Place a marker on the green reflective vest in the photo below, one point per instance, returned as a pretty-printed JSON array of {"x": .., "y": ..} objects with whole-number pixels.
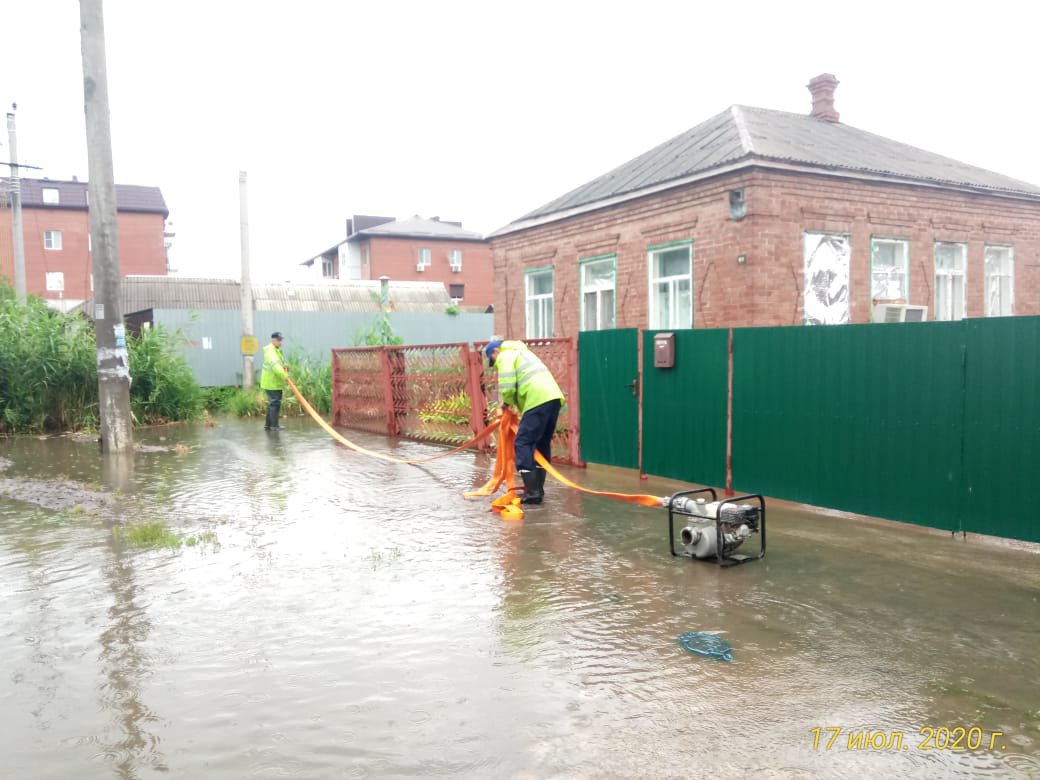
[
  {"x": 273, "y": 376},
  {"x": 523, "y": 379}
]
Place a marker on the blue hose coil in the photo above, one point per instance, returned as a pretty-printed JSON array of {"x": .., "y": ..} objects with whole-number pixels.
[{"x": 703, "y": 643}]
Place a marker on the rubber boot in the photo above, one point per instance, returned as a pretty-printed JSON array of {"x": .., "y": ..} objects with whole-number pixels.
[
  {"x": 532, "y": 492},
  {"x": 541, "y": 480}
]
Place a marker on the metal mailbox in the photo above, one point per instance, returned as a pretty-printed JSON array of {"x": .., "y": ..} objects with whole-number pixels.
[{"x": 664, "y": 350}]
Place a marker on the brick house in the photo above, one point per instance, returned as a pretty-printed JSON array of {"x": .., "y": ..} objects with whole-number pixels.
[
  {"x": 760, "y": 218},
  {"x": 56, "y": 226},
  {"x": 414, "y": 249}
]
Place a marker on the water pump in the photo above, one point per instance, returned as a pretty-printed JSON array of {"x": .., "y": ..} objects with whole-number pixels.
[{"x": 714, "y": 529}]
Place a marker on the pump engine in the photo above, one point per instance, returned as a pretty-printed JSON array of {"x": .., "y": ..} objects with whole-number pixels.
[{"x": 715, "y": 529}]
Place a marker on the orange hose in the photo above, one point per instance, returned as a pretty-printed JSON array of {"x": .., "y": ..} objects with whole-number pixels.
[
  {"x": 389, "y": 458},
  {"x": 507, "y": 504}
]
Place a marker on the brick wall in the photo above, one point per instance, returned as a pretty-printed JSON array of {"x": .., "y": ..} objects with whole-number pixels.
[
  {"x": 141, "y": 248},
  {"x": 768, "y": 288},
  {"x": 398, "y": 257}
]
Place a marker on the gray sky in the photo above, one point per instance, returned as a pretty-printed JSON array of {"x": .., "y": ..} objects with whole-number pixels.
[{"x": 481, "y": 111}]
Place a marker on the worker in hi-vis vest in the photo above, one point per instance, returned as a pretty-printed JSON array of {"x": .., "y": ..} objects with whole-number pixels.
[
  {"x": 272, "y": 380},
  {"x": 525, "y": 384}
]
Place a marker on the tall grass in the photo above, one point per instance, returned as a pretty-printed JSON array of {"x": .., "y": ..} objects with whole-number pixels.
[
  {"x": 313, "y": 377},
  {"x": 164, "y": 387},
  {"x": 48, "y": 373},
  {"x": 48, "y": 378}
]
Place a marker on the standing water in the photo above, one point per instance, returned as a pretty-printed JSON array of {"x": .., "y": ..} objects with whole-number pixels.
[{"x": 334, "y": 615}]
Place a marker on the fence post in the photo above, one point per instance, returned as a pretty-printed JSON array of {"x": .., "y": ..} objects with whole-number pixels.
[
  {"x": 573, "y": 414},
  {"x": 335, "y": 386},
  {"x": 729, "y": 417},
  {"x": 388, "y": 392},
  {"x": 477, "y": 402}
]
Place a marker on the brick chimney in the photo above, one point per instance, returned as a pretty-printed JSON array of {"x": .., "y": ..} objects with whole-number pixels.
[{"x": 822, "y": 89}]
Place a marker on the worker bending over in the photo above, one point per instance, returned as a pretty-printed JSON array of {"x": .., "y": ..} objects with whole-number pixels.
[{"x": 525, "y": 384}]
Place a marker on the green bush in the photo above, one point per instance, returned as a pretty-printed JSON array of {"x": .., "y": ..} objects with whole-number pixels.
[
  {"x": 164, "y": 386},
  {"x": 311, "y": 375},
  {"x": 48, "y": 380}
]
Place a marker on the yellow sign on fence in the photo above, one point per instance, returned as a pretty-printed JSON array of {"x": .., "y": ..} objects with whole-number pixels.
[{"x": 249, "y": 345}]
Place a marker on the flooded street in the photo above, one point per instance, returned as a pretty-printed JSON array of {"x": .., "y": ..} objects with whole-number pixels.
[{"x": 356, "y": 618}]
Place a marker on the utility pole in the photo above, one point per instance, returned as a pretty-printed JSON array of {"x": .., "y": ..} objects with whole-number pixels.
[
  {"x": 113, "y": 361},
  {"x": 249, "y": 346},
  {"x": 17, "y": 235}
]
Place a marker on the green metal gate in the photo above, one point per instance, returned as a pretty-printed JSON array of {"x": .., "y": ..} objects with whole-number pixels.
[
  {"x": 608, "y": 363},
  {"x": 1002, "y": 427},
  {"x": 684, "y": 408}
]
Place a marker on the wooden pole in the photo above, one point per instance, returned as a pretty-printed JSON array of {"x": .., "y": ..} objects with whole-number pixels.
[{"x": 113, "y": 362}]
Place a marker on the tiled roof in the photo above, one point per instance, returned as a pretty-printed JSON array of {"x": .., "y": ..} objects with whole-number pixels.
[
  {"x": 73, "y": 195},
  {"x": 744, "y": 136},
  {"x": 175, "y": 292},
  {"x": 417, "y": 227}
]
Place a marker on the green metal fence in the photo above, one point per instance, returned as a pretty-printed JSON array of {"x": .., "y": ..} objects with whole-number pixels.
[
  {"x": 608, "y": 365},
  {"x": 865, "y": 418},
  {"x": 1002, "y": 427},
  {"x": 936, "y": 424},
  {"x": 684, "y": 408}
]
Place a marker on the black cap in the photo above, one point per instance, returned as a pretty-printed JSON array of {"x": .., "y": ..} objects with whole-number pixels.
[{"x": 277, "y": 335}]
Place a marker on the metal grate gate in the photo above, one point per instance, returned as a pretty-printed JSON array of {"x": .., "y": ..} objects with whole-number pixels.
[{"x": 439, "y": 392}]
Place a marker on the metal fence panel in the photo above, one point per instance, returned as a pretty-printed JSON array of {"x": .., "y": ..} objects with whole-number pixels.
[
  {"x": 684, "y": 408},
  {"x": 865, "y": 418},
  {"x": 609, "y": 370},
  {"x": 437, "y": 392},
  {"x": 1002, "y": 427},
  {"x": 211, "y": 337}
]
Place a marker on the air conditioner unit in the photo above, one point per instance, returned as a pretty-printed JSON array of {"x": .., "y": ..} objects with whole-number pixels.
[
  {"x": 900, "y": 312},
  {"x": 456, "y": 267},
  {"x": 420, "y": 266}
]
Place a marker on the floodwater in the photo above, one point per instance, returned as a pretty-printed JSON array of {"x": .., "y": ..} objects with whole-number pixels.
[{"x": 358, "y": 618}]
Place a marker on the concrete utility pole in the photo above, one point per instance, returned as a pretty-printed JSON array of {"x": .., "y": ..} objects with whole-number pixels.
[
  {"x": 113, "y": 362},
  {"x": 17, "y": 235},
  {"x": 248, "y": 350}
]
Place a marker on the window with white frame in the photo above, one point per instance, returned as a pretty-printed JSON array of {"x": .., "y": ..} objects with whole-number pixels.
[
  {"x": 671, "y": 287},
  {"x": 52, "y": 239},
  {"x": 890, "y": 270},
  {"x": 598, "y": 293},
  {"x": 1000, "y": 281},
  {"x": 51, "y": 195},
  {"x": 425, "y": 258},
  {"x": 455, "y": 260},
  {"x": 951, "y": 262},
  {"x": 328, "y": 267},
  {"x": 55, "y": 281},
  {"x": 539, "y": 298}
]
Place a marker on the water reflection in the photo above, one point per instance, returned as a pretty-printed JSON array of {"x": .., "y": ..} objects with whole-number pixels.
[
  {"x": 125, "y": 668},
  {"x": 360, "y": 618}
]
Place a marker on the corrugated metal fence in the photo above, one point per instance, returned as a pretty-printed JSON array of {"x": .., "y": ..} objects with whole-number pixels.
[
  {"x": 934, "y": 423},
  {"x": 211, "y": 337},
  {"x": 439, "y": 392}
]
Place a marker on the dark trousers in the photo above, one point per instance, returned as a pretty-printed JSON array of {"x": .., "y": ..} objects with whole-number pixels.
[
  {"x": 535, "y": 431},
  {"x": 274, "y": 406}
]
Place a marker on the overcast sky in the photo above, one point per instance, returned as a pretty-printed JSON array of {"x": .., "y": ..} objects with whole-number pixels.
[{"x": 481, "y": 111}]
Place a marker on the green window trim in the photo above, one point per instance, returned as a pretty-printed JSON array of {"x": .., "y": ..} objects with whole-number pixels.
[
  {"x": 582, "y": 262},
  {"x": 870, "y": 287},
  {"x": 598, "y": 258},
  {"x": 669, "y": 245},
  {"x": 528, "y": 272},
  {"x": 539, "y": 269}
]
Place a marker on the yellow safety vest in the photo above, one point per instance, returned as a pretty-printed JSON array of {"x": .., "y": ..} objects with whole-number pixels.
[
  {"x": 273, "y": 376},
  {"x": 523, "y": 380}
]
